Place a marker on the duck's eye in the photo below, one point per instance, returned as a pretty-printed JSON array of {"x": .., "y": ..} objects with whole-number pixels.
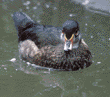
[{"x": 76, "y": 34}]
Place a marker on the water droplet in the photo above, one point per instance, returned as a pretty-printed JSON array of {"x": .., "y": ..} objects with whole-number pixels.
[
  {"x": 47, "y": 6},
  {"x": 54, "y": 86},
  {"x": 32, "y": 64},
  {"x": 12, "y": 15},
  {"x": 85, "y": 2},
  {"x": 98, "y": 62},
  {"x": 13, "y": 60},
  {"x": 28, "y": 63},
  {"x": 35, "y": 7},
  {"x": 38, "y": 21},
  {"x": 94, "y": 25},
  {"x": 71, "y": 15},
  {"x": 3, "y": 65},
  {"x": 93, "y": 61},
  {"x": 5, "y": 68},
  {"x": 27, "y": 7},
  {"x": 86, "y": 24},
  {"x": 54, "y": 8},
  {"x": 91, "y": 36},
  {"x": 27, "y": 3},
  {"x": 10, "y": 76},
  {"x": 95, "y": 83}
]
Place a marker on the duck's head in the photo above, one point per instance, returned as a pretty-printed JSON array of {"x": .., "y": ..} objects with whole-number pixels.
[{"x": 70, "y": 34}]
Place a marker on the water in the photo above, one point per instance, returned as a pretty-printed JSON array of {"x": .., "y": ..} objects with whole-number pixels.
[{"x": 19, "y": 79}]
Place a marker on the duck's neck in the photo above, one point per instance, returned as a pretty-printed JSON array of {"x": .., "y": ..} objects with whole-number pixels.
[{"x": 83, "y": 44}]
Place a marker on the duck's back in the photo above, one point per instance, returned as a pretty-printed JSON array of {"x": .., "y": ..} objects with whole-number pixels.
[{"x": 41, "y": 35}]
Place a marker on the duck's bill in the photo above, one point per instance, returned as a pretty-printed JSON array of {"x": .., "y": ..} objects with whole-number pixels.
[{"x": 68, "y": 43}]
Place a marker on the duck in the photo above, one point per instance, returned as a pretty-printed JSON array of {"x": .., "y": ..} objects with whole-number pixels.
[{"x": 60, "y": 48}]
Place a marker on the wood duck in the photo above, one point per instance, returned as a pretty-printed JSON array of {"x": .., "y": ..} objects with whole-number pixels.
[{"x": 60, "y": 48}]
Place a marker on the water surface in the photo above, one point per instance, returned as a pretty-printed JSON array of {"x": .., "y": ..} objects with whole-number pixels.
[{"x": 17, "y": 79}]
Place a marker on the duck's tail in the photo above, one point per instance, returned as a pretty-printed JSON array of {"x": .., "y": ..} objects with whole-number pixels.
[{"x": 21, "y": 20}]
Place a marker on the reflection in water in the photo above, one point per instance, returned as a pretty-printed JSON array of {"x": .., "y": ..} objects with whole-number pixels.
[{"x": 49, "y": 80}]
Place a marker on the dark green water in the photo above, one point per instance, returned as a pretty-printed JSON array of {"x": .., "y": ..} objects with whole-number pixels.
[{"x": 19, "y": 80}]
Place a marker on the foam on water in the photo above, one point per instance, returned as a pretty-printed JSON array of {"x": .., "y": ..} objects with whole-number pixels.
[
  {"x": 13, "y": 60},
  {"x": 86, "y": 2},
  {"x": 26, "y": 3}
]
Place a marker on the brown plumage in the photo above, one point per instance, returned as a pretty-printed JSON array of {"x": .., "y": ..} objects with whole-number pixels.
[{"x": 47, "y": 47}]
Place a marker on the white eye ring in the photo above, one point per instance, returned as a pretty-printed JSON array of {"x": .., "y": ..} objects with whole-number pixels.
[
  {"x": 62, "y": 36},
  {"x": 77, "y": 33}
]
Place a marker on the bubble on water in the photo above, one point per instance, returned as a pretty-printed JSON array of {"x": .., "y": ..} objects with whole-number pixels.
[
  {"x": 54, "y": 86},
  {"x": 47, "y": 6},
  {"x": 27, "y": 7},
  {"x": 77, "y": 86},
  {"x": 71, "y": 15},
  {"x": 91, "y": 36},
  {"x": 38, "y": 21},
  {"x": 33, "y": 65},
  {"x": 10, "y": 76},
  {"x": 93, "y": 61},
  {"x": 94, "y": 25},
  {"x": 34, "y": 7},
  {"x": 109, "y": 38},
  {"x": 86, "y": 24},
  {"x": 13, "y": 60},
  {"x": 27, "y": 3},
  {"x": 11, "y": 15},
  {"x": 95, "y": 83},
  {"x": 86, "y": 2},
  {"x": 55, "y": 8},
  {"x": 5, "y": 68},
  {"x": 98, "y": 62},
  {"x": 28, "y": 63}
]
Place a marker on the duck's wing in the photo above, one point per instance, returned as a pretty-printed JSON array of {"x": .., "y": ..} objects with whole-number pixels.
[
  {"x": 49, "y": 36},
  {"x": 41, "y": 35}
]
